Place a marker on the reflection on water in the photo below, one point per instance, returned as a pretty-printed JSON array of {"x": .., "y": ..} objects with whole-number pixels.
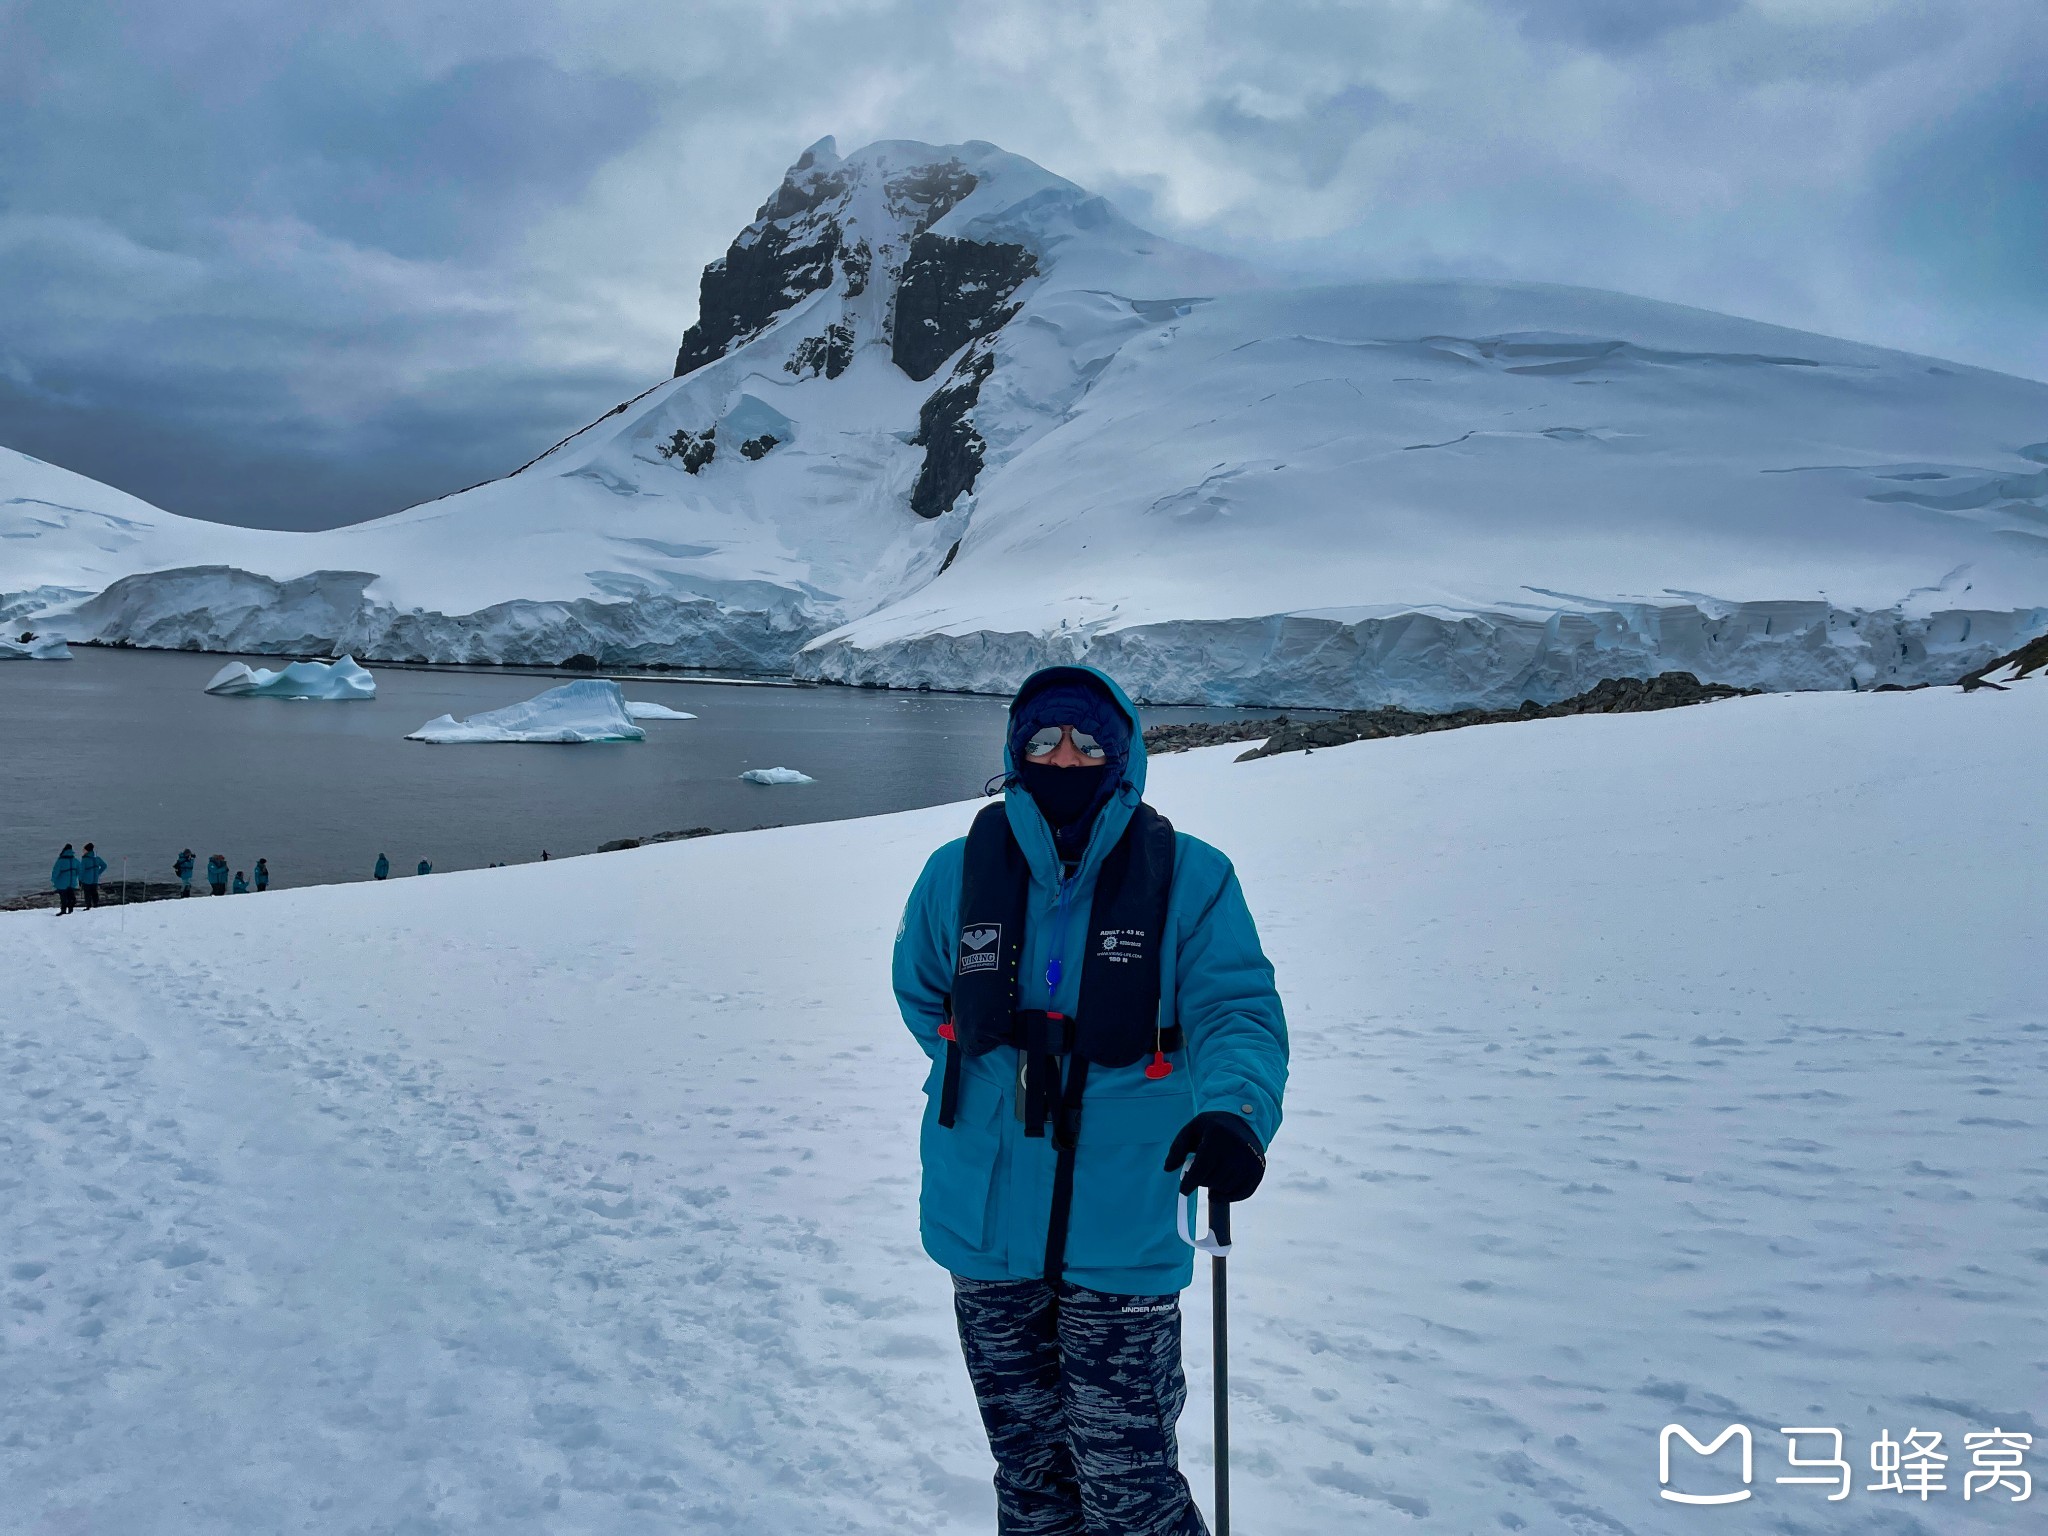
[{"x": 123, "y": 748}]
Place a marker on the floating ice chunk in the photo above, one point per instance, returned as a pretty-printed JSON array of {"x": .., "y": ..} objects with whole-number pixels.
[
  {"x": 40, "y": 648},
  {"x": 590, "y": 709},
  {"x": 776, "y": 776},
  {"x": 640, "y": 709},
  {"x": 301, "y": 680}
]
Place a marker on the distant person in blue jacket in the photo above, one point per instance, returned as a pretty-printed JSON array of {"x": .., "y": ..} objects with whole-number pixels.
[
  {"x": 383, "y": 867},
  {"x": 1105, "y": 1037},
  {"x": 241, "y": 883},
  {"x": 90, "y": 868},
  {"x": 64, "y": 881},
  {"x": 217, "y": 875},
  {"x": 183, "y": 869},
  {"x": 425, "y": 868},
  {"x": 263, "y": 874}
]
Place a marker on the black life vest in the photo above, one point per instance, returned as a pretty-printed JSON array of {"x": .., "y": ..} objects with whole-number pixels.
[{"x": 1115, "y": 1023}]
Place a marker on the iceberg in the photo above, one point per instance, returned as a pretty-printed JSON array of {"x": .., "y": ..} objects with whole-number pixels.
[
  {"x": 776, "y": 776},
  {"x": 35, "y": 648},
  {"x": 342, "y": 679},
  {"x": 589, "y": 709},
  {"x": 640, "y": 709}
]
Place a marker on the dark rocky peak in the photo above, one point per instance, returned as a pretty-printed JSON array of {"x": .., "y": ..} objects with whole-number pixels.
[
  {"x": 785, "y": 255},
  {"x": 926, "y": 194},
  {"x": 866, "y": 223}
]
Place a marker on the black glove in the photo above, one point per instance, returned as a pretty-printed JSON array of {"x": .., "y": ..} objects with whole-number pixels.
[{"x": 1228, "y": 1157}]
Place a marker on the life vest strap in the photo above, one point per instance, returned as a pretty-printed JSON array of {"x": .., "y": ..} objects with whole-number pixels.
[{"x": 1066, "y": 1136}]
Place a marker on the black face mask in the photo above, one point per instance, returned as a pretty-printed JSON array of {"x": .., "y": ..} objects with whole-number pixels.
[{"x": 1068, "y": 798}]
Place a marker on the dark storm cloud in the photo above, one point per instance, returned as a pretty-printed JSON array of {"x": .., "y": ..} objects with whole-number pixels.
[{"x": 298, "y": 265}]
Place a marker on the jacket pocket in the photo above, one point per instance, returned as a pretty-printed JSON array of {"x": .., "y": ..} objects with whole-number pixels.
[
  {"x": 1123, "y": 1215},
  {"x": 960, "y": 1164}
]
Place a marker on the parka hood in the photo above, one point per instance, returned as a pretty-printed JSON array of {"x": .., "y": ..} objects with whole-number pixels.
[{"x": 1033, "y": 834}]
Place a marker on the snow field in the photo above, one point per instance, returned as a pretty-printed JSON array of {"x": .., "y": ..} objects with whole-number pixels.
[{"x": 1660, "y": 1067}]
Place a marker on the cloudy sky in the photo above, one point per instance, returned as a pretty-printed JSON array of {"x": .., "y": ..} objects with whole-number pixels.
[{"x": 298, "y": 265}]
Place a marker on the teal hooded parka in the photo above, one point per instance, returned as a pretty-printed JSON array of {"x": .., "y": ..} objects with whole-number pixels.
[{"x": 987, "y": 1192}]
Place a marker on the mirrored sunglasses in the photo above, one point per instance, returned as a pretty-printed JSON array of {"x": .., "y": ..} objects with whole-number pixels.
[{"x": 1046, "y": 739}]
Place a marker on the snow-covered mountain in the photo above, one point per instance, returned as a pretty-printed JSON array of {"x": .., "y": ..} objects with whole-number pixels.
[{"x": 945, "y": 416}]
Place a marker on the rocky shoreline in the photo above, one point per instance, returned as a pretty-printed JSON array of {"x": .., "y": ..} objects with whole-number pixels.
[{"x": 1278, "y": 733}]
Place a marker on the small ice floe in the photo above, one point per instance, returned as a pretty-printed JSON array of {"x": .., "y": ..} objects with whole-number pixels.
[
  {"x": 342, "y": 679},
  {"x": 640, "y": 709},
  {"x": 590, "y": 709},
  {"x": 34, "y": 647},
  {"x": 776, "y": 776}
]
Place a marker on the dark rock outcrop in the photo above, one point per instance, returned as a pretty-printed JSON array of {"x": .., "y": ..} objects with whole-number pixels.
[
  {"x": 779, "y": 258},
  {"x": 953, "y": 450},
  {"x": 953, "y": 292},
  {"x": 695, "y": 449},
  {"x": 621, "y": 844},
  {"x": 828, "y": 354},
  {"x": 1613, "y": 696},
  {"x": 2029, "y": 658},
  {"x": 757, "y": 447}
]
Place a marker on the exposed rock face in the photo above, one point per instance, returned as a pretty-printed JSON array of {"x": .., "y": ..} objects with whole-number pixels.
[
  {"x": 786, "y": 253},
  {"x": 827, "y": 354},
  {"x": 953, "y": 450},
  {"x": 693, "y": 449},
  {"x": 924, "y": 294},
  {"x": 953, "y": 292}
]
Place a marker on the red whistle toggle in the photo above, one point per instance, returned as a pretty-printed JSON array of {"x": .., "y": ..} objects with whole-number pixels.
[
  {"x": 946, "y": 1031},
  {"x": 1160, "y": 1066}
]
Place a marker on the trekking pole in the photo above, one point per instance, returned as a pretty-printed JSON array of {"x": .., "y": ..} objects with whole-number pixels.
[{"x": 1216, "y": 1243}]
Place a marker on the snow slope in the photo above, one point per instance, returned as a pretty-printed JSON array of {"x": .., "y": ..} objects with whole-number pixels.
[
  {"x": 1655, "y": 1068},
  {"x": 945, "y": 417}
]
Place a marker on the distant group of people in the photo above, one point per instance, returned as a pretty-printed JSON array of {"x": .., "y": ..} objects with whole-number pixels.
[
  {"x": 217, "y": 875},
  {"x": 75, "y": 875},
  {"x": 383, "y": 869}
]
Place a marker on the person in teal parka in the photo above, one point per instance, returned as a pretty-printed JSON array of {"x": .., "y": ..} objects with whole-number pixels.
[
  {"x": 425, "y": 868},
  {"x": 64, "y": 880},
  {"x": 241, "y": 883},
  {"x": 90, "y": 867},
  {"x": 183, "y": 870},
  {"x": 263, "y": 874},
  {"x": 217, "y": 874},
  {"x": 1041, "y": 942},
  {"x": 383, "y": 867}
]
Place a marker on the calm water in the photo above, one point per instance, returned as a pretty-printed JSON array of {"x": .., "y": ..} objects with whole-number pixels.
[{"x": 124, "y": 749}]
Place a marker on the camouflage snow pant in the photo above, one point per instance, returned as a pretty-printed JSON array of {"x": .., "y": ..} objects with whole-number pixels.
[{"x": 1080, "y": 1394}]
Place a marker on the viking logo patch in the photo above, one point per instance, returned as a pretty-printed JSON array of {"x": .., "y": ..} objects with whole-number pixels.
[{"x": 981, "y": 948}]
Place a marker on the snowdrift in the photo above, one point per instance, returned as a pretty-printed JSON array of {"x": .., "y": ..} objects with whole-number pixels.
[
  {"x": 341, "y": 679},
  {"x": 946, "y": 417},
  {"x": 1648, "y": 1068},
  {"x": 589, "y": 709}
]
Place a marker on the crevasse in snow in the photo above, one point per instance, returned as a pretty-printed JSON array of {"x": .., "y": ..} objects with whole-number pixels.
[{"x": 945, "y": 415}]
